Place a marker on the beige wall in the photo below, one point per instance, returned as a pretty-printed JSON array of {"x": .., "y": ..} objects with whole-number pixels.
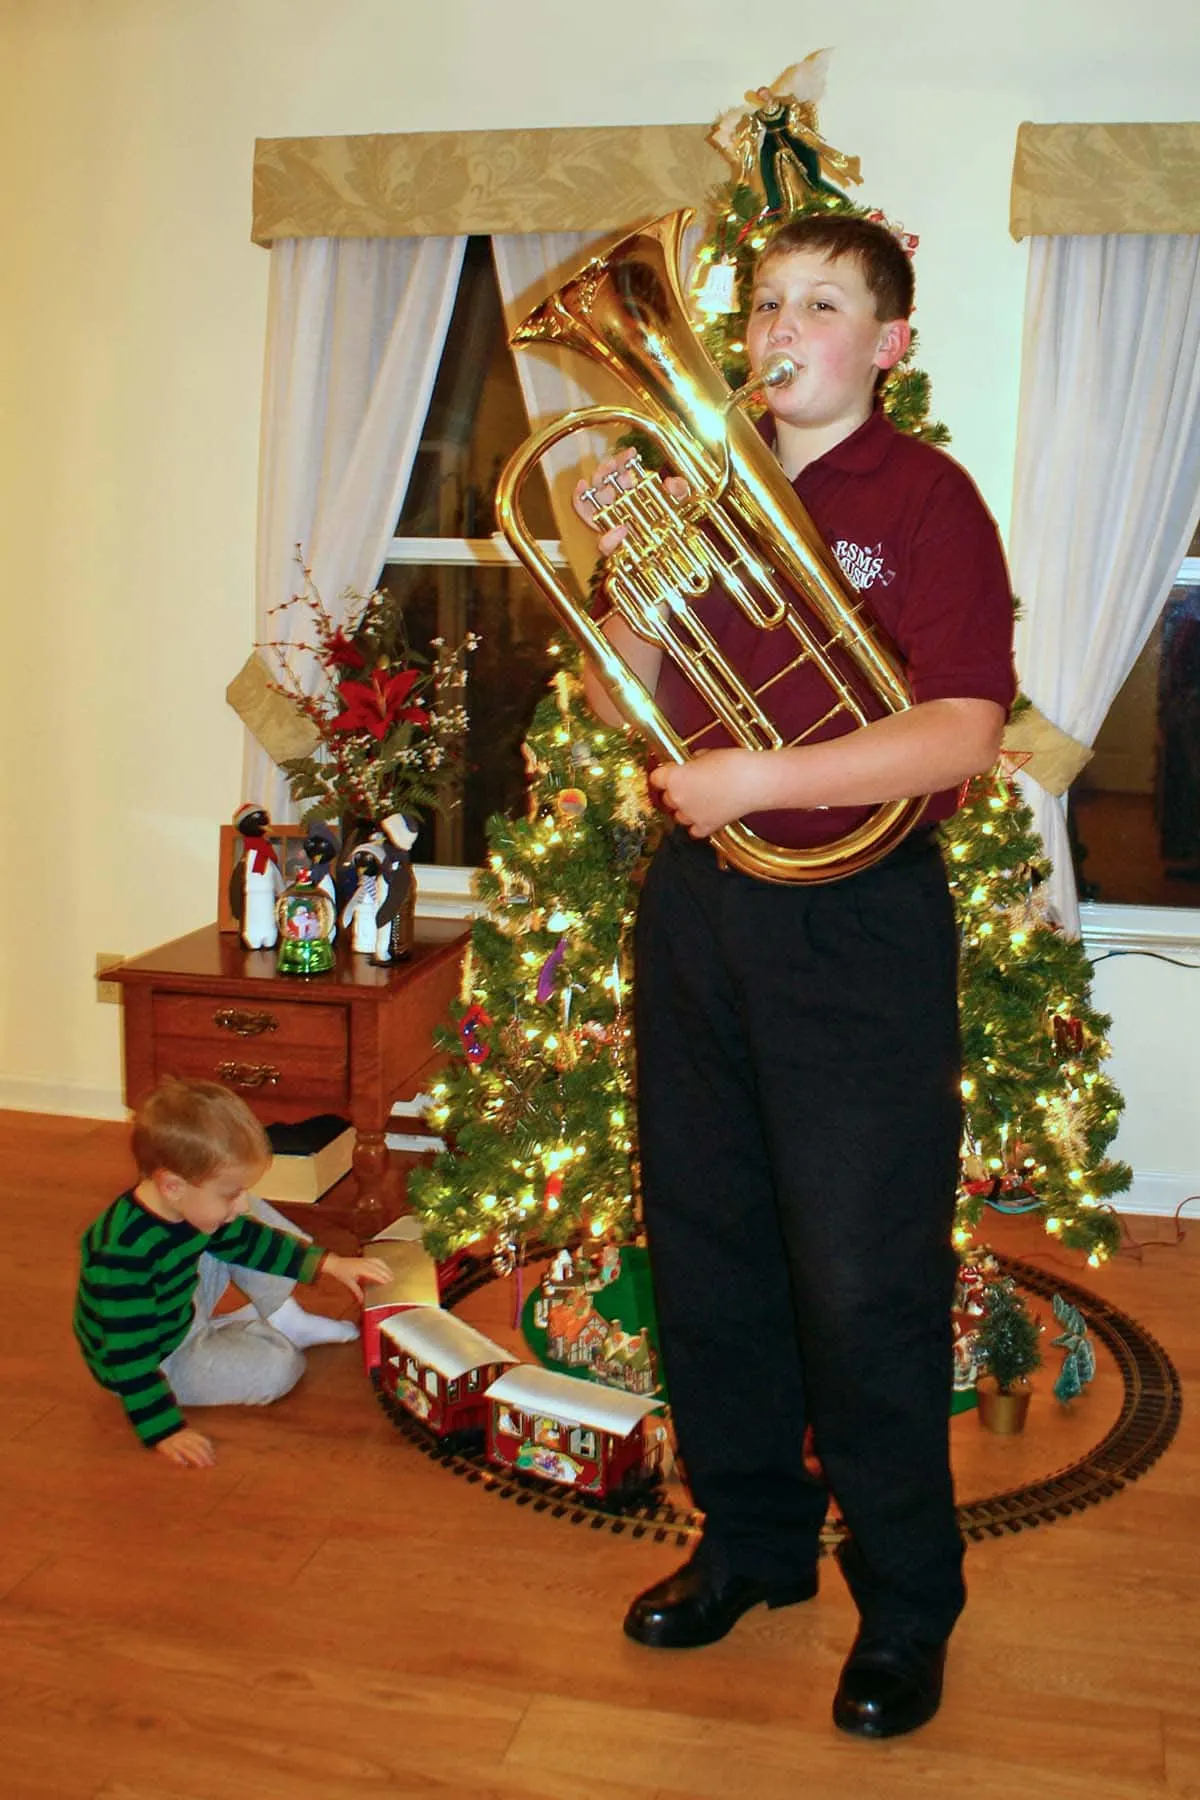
[{"x": 131, "y": 324}]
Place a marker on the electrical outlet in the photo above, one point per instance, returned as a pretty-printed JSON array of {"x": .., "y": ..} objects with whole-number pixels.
[{"x": 107, "y": 991}]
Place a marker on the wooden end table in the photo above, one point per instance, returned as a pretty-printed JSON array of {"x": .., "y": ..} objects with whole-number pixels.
[{"x": 352, "y": 1041}]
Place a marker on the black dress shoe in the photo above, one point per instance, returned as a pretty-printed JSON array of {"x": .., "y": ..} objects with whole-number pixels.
[
  {"x": 890, "y": 1685},
  {"x": 702, "y": 1601}
]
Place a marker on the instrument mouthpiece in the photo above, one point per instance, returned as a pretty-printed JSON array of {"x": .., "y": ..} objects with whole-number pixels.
[{"x": 776, "y": 371}]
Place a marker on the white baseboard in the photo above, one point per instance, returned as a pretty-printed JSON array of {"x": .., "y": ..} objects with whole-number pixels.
[
  {"x": 21, "y": 1094},
  {"x": 1161, "y": 1193}
]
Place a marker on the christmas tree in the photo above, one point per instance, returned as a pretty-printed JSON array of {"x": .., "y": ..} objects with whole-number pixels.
[
  {"x": 538, "y": 1097},
  {"x": 1039, "y": 1110},
  {"x": 539, "y": 1089}
]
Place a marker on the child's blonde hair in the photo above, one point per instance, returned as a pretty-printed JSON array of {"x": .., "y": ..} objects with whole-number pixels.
[{"x": 194, "y": 1128}]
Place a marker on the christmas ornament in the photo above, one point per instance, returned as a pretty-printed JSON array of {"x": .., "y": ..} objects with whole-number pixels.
[
  {"x": 716, "y": 293},
  {"x": 909, "y": 243},
  {"x": 504, "y": 1257},
  {"x": 776, "y": 146},
  {"x": 473, "y": 1021},
  {"x": 570, "y": 804},
  {"x": 513, "y": 1040},
  {"x": 548, "y": 974}
]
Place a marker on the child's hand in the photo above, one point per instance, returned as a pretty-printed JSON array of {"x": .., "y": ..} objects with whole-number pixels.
[
  {"x": 714, "y": 789},
  {"x": 187, "y": 1448},
  {"x": 353, "y": 1271},
  {"x": 608, "y": 477}
]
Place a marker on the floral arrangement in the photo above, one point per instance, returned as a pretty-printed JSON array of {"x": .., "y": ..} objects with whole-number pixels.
[{"x": 391, "y": 724}]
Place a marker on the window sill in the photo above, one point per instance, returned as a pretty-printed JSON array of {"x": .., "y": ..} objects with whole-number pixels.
[
  {"x": 445, "y": 893},
  {"x": 1105, "y": 926}
]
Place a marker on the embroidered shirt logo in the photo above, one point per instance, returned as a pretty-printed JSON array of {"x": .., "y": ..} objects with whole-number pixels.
[{"x": 863, "y": 567}]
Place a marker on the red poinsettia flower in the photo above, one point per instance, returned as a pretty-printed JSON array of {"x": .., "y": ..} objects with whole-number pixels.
[
  {"x": 342, "y": 652},
  {"x": 377, "y": 705}
]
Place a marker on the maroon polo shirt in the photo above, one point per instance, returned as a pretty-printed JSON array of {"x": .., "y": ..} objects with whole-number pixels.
[{"x": 910, "y": 531}]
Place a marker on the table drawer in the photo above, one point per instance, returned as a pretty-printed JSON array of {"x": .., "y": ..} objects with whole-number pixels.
[
  {"x": 247, "y": 1027},
  {"x": 260, "y": 1070}
]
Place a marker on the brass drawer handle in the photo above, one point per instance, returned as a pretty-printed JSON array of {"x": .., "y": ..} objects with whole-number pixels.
[
  {"x": 244, "y": 1024},
  {"x": 247, "y": 1075}
]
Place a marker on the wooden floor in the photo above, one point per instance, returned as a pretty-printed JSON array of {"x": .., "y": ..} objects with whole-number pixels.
[{"x": 326, "y": 1614}]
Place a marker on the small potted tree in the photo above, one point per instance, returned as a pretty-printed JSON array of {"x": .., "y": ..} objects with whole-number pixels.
[{"x": 1007, "y": 1347}]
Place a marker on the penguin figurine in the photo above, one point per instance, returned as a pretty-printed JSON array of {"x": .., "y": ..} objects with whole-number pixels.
[
  {"x": 256, "y": 882},
  {"x": 399, "y": 898},
  {"x": 322, "y": 846},
  {"x": 360, "y": 913}
]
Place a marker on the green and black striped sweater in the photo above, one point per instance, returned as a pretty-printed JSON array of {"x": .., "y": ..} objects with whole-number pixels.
[{"x": 136, "y": 1286}]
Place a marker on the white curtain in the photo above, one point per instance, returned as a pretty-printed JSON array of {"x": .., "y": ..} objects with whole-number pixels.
[
  {"x": 1107, "y": 483},
  {"x": 355, "y": 333},
  {"x": 528, "y": 267}
]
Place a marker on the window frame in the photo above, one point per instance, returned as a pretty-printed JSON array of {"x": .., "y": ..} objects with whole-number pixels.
[
  {"x": 444, "y": 890},
  {"x": 1122, "y": 925}
]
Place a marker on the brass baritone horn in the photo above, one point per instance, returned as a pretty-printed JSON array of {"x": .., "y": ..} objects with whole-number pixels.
[{"x": 741, "y": 526}]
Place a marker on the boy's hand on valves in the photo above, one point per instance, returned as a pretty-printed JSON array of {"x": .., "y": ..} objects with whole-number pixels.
[{"x": 607, "y": 478}]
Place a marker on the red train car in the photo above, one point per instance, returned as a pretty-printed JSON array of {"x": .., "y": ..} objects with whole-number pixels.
[
  {"x": 597, "y": 1439},
  {"x": 439, "y": 1369}
]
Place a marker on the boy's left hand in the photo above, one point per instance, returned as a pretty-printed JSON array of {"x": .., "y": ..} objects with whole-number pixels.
[
  {"x": 714, "y": 789},
  {"x": 354, "y": 1271}
]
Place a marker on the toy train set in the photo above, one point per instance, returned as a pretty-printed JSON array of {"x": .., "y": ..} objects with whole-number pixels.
[
  {"x": 538, "y": 1452},
  {"x": 434, "y": 1372}
]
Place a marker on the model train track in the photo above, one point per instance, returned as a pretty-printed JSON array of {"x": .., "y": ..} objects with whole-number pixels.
[
  {"x": 1147, "y": 1421},
  {"x": 1151, "y": 1402}
]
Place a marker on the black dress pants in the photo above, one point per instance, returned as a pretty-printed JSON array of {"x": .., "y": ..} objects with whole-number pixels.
[{"x": 800, "y": 1118}]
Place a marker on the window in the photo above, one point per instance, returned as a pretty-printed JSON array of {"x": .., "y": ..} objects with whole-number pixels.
[
  {"x": 432, "y": 1383},
  {"x": 583, "y": 1444},
  {"x": 1135, "y": 809},
  {"x": 453, "y": 577},
  {"x": 549, "y": 1433}
]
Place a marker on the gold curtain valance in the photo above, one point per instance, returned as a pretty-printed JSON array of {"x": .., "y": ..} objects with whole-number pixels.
[
  {"x": 438, "y": 183},
  {"x": 1092, "y": 180},
  {"x": 1073, "y": 179}
]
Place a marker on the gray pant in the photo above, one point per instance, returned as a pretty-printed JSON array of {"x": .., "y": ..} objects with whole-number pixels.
[{"x": 247, "y": 1363}]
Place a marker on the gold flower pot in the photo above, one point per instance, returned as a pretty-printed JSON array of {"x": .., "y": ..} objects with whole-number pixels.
[{"x": 1003, "y": 1413}]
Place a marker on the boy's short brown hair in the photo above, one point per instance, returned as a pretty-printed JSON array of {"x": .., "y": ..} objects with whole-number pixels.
[
  {"x": 194, "y": 1128},
  {"x": 886, "y": 268}
]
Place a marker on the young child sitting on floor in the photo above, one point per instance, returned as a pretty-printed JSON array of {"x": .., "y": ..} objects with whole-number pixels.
[{"x": 155, "y": 1264}]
